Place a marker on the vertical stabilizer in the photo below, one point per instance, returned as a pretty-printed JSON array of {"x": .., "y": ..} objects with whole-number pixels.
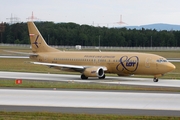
[{"x": 38, "y": 43}]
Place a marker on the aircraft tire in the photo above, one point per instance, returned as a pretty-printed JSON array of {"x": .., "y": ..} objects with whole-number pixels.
[
  {"x": 83, "y": 77},
  {"x": 155, "y": 79},
  {"x": 103, "y": 77}
]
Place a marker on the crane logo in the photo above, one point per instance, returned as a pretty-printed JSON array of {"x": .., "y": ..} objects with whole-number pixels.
[{"x": 36, "y": 43}]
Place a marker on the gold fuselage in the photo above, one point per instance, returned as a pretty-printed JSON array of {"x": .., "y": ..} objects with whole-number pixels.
[{"x": 121, "y": 63}]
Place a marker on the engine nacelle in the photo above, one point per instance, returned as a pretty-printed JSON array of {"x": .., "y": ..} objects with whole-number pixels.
[{"x": 94, "y": 72}]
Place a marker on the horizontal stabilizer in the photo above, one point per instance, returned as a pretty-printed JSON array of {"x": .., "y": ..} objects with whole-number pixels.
[
  {"x": 18, "y": 57},
  {"x": 21, "y": 53}
]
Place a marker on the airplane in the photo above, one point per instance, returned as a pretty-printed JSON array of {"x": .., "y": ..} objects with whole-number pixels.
[{"x": 96, "y": 64}]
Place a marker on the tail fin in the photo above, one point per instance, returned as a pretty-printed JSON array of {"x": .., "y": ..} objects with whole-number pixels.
[{"x": 38, "y": 43}]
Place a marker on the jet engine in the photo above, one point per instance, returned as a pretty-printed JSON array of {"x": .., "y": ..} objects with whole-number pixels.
[{"x": 94, "y": 72}]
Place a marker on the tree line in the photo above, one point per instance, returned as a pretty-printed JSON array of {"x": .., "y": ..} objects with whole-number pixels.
[{"x": 74, "y": 34}]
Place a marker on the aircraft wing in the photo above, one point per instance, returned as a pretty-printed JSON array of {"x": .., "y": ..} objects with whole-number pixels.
[{"x": 74, "y": 67}]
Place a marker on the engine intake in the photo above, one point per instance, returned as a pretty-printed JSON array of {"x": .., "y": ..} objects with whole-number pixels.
[{"x": 94, "y": 72}]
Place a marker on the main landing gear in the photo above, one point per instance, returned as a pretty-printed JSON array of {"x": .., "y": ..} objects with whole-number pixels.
[
  {"x": 103, "y": 77},
  {"x": 155, "y": 79},
  {"x": 83, "y": 77}
]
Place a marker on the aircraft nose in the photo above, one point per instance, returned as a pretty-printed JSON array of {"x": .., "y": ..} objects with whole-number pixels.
[{"x": 170, "y": 66}]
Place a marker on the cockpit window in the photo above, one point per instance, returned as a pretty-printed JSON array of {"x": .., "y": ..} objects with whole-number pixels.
[{"x": 161, "y": 60}]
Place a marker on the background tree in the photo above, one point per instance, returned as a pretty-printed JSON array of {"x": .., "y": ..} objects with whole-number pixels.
[{"x": 75, "y": 34}]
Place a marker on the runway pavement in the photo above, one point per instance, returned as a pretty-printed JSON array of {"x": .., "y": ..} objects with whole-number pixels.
[
  {"x": 76, "y": 78},
  {"x": 93, "y": 102},
  {"x": 96, "y": 102}
]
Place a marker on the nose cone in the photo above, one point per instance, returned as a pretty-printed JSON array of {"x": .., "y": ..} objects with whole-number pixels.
[{"x": 170, "y": 67}]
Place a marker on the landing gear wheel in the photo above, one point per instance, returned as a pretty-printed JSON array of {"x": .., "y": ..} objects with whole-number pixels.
[
  {"x": 155, "y": 79},
  {"x": 103, "y": 77},
  {"x": 83, "y": 77}
]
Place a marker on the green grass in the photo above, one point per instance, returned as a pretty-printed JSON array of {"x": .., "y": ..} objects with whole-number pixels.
[
  {"x": 73, "y": 85},
  {"x": 65, "y": 116}
]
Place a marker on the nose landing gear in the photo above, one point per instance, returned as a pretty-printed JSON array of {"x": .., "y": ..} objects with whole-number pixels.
[{"x": 155, "y": 79}]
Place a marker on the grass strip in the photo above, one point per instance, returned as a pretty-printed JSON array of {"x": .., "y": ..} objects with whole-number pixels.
[
  {"x": 64, "y": 116},
  {"x": 86, "y": 86}
]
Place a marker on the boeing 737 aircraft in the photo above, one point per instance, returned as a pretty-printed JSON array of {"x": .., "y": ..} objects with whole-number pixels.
[{"x": 97, "y": 64}]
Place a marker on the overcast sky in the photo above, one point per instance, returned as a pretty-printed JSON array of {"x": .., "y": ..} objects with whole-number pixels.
[{"x": 97, "y": 12}]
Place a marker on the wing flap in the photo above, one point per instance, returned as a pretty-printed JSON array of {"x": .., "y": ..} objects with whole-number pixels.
[{"x": 59, "y": 65}]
